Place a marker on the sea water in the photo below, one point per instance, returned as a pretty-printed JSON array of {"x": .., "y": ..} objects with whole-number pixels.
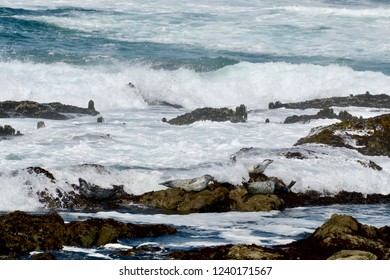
[{"x": 193, "y": 54}]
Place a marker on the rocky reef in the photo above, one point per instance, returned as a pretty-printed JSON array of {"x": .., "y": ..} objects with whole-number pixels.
[
  {"x": 22, "y": 233},
  {"x": 361, "y": 100},
  {"x": 326, "y": 113},
  {"x": 340, "y": 237},
  {"x": 368, "y": 136},
  {"x": 54, "y": 111},
  {"x": 211, "y": 114}
]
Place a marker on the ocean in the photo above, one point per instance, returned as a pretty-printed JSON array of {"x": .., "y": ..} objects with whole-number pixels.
[{"x": 205, "y": 53}]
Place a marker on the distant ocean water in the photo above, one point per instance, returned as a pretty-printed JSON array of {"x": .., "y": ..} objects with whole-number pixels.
[{"x": 194, "y": 54}]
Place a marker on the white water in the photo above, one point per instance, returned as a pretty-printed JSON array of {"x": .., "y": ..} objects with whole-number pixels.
[{"x": 245, "y": 83}]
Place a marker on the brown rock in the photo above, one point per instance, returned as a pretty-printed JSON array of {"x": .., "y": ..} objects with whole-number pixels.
[{"x": 352, "y": 255}]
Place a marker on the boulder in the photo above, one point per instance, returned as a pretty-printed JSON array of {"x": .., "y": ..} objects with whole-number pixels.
[
  {"x": 352, "y": 255},
  {"x": 368, "y": 136},
  {"x": 212, "y": 114}
]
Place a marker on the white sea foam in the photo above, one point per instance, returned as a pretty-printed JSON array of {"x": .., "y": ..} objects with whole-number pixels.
[{"x": 245, "y": 83}]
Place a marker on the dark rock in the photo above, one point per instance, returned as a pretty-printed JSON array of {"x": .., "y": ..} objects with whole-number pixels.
[
  {"x": 100, "y": 120},
  {"x": 212, "y": 114},
  {"x": 21, "y": 233},
  {"x": 326, "y": 113},
  {"x": 31, "y": 109},
  {"x": 296, "y": 155},
  {"x": 267, "y": 120},
  {"x": 91, "y": 105},
  {"x": 43, "y": 256},
  {"x": 372, "y": 135},
  {"x": 362, "y": 100},
  {"x": 8, "y": 130},
  {"x": 39, "y": 170}
]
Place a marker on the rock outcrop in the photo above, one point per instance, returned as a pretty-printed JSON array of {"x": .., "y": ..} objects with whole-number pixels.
[
  {"x": 326, "y": 113},
  {"x": 362, "y": 100},
  {"x": 22, "y": 233},
  {"x": 211, "y": 114},
  {"x": 31, "y": 109},
  {"x": 8, "y": 130},
  {"x": 217, "y": 198},
  {"x": 368, "y": 136}
]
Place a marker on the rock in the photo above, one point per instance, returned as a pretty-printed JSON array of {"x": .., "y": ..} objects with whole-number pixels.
[
  {"x": 368, "y": 136},
  {"x": 91, "y": 105},
  {"x": 100, "y": 119},
  {"x": 40, "y": 124},
  {"x": 326, "y": 113},
  {"x": 352, "y": 255},
  {"x": 216, "y": 199},
  {"x": 341, "y": 232},
  {"x": 21, "y": 233},
  {"x": 212, "y": 114},
  {"x": 362, "y": 100},
  {"x": 43, "y": 256},
  {"x": 31, "y": 109},
  {"x": 8, "y": 130}
]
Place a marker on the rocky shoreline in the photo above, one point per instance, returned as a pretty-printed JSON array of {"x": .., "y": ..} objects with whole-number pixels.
[{"x": 340, "y": 237}]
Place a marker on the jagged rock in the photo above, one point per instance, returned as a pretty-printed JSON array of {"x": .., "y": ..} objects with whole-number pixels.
[
  {"x": 212, "y": 114},
  {"x": 362, "y": 100},
  {"x": 368, "y": 136},
  {"x": 31, "y": 109},
  {"x": 100, "y": 119},
  {"x": 326, "y": 113},
  {"x": 8, "y": 130},
  {"x": 21, "y": 233}
]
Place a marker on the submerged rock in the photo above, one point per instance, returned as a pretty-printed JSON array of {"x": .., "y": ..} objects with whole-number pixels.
[
  {"x": 368, "y": 136},
  {"x": 22, "y": 233},
  {"x": 31, "y": 109},
  {"x": 212, "y": 114},
  {"x": 362, "y": 100}
]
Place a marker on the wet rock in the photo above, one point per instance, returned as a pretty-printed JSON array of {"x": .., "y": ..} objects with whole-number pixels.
[
  {"x": 91, "y": 105},
  {"x": 228, "y": 252},
  {"x": 43, "y": 256},
  {"x": 100, "y": 120},
  {"x": 341, "y": 232},
  {"x": 362, "y": 100},
  {"x": 31, "y": 109},
  {"x": 7, "y": 130},
  {"x": 21, "y": 233},
  {"x": 217, "y": 198},
  {"x": 368, "y": 136},
  {"x": 352, "y": 255},
  {"x": 326, "y": 113},
  {"x": 212, "y": 114}
]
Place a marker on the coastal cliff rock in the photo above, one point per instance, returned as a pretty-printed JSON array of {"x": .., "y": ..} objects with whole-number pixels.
[
  {"x": 22, "y": 233},
  {"x": 211, "y": 114},
  {"x": 340, "y": 237},
  {"x": 362, "y": 100},
  {"x": 368, "y": 136},
  {"x": 31, "y": 109}
]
